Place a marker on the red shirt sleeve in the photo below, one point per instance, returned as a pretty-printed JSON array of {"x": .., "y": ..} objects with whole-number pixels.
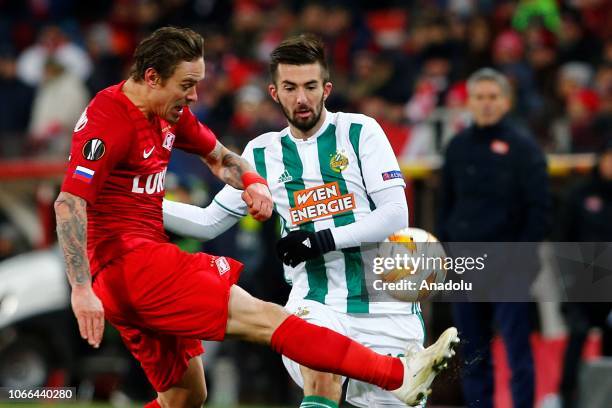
[
  {"x": 100, "y": 140},
  {"x": 192, "y": 136}
]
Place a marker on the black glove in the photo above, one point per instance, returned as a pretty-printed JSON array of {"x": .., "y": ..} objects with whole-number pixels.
[{"x": 299, "y": 246}]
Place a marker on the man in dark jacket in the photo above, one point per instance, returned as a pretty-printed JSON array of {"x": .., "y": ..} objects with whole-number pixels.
[{"x": 494, "y": 189}]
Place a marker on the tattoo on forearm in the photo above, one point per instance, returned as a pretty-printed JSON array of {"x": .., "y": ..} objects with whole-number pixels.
[
  {"x": 72, "y": 236},
  {"x": 227, "y": 165},
  {"x": 233, "y": 167}
]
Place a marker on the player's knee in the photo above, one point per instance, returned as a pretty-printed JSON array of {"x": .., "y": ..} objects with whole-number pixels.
[
  {"x": 275, "y": 314},
  {"x": 322, "y": 384},
  {"x": 253, "y": 319},
  {"x": 268, "y": 317}
]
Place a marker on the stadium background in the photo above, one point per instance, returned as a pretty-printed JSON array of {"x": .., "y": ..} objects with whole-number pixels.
[{"x": 402, "y": 62}]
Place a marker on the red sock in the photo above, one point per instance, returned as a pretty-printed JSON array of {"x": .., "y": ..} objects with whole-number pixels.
[
  {"x": 325, "y": 350},
  {"x": 153, "y": 404}
]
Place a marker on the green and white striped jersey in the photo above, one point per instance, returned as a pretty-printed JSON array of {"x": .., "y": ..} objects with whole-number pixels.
[{"x": 325, "y": 182}]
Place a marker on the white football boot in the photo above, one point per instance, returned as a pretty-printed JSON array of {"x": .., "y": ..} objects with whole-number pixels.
[{"x": 421, "y": 367}]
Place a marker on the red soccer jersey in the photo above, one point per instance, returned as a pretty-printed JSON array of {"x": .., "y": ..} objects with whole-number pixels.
[{"x": 118, "y": 164}]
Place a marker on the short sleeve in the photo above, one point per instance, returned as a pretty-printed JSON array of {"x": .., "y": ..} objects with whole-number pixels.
[
  {"x": 192, "y": 136},
  {"x": 379, "y": 164},
  {"x": 230, "y": 198},
  {"x": 101, "y": 139}
]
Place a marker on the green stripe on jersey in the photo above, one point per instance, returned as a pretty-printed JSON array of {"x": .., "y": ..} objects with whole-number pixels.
[
  {"x": 315, "y": 268},
  {"x": 259, "y": 157},
  {"x": 354, "y": 135},
  {"x": 357, "y": 297}
]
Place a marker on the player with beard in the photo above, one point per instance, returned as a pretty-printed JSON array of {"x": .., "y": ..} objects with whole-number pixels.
[
  {"x": 336, "y": 184},
  {"x": 121, "y": 267}
]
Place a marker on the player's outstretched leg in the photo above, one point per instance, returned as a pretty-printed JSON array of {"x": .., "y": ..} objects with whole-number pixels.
[{"x": 322, "y": 349}]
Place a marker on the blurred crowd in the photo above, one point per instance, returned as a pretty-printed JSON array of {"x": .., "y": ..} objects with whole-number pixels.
[{"x": 404, "y": 63}]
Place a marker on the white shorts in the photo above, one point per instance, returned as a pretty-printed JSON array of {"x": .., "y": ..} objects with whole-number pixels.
[{"x": 383, "y": 333}]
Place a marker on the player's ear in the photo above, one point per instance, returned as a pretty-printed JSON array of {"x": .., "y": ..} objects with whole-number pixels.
[
  {"x": 327, "y": 88},
  {"x": 273, "y": 93},
  {"x": 152, "y": 78}
]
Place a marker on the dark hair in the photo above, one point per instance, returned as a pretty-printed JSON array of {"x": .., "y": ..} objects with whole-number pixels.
[
  {"x": 166, "y": 48},
  {"x": 299, "y": 50}
]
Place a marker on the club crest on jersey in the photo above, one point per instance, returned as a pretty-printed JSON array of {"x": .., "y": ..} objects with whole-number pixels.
[
  {"x": 94, "y": 149},
  {"x": 302, "y": 311},
  {"x": 222, "y": 265},
  {"x": 320, "y": 202},
  {"x": 169, "y": 141},
  {"x": 339, "y": 161},
  {"x": 499, "y": 147}
]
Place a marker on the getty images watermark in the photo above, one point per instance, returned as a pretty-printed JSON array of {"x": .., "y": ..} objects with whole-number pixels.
[
  {"x": 488, "y": 271},
  {"x": 404, "y": 272}
]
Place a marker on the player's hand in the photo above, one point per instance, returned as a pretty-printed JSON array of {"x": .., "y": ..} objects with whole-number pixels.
[
  {"x": 299, "y": 246},
  {"x": 89, "y": 313},
  {"x": 259, "y": 201}
]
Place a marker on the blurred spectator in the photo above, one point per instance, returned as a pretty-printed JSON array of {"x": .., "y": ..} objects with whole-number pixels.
[
  {"x": 344, "y": 34},
  {"x": 602, "y": 123},
  {"x": 108, "y": 66},
  {"x": 312, "y": 17},
  {"x": 254, "y": 114},
  {"x": 52, "y": 43},
  {"x": 508, "y": 57},
  {"x": 587, "y": 217},
  {"x": 247, "y": 22},
  {"x": 477, "y": 54},
  {"x": 60, "y": 100},
  {"x": 596, "y": 15},
  {"x": 458, "y": 114},
  {"x": 573, "y": 76},
  {"x": 389, "y": 117},
  {"x": 606, "y": 54},
  {"x": 17, "y": 99},
  {"x": 576, "y": 43},
  {"x": 582, "y": 106},
  {"x": 527, "y": 11},
  {"x": 542, "y": 57},
  {"x": 387, "y": 27}
]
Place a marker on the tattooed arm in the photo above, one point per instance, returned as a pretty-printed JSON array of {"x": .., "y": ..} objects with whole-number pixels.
[
  {"x": 71, "y": 217},
  {"x": 227, "y": 165},
  {"x": 232, "y": 169}
]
